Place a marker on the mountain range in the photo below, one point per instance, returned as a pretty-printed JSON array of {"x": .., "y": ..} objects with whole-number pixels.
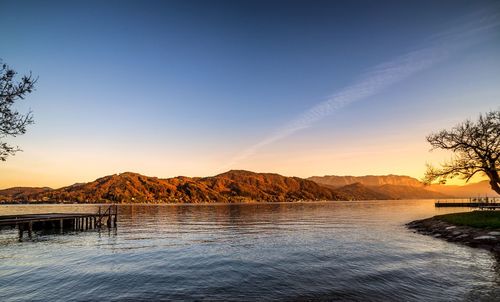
[
  {"x": 235, "y": 186},
  {"x": 368, "y": 180},
  {"x": 401, "y": 186},
  {"x": 229, "y": 187}
]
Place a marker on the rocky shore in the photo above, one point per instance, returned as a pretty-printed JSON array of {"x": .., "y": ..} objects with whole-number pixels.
[{"x": 473, "y": 237}]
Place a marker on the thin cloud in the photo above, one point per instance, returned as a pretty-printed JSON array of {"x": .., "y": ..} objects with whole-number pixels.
[{"x": 381, "y": 77}]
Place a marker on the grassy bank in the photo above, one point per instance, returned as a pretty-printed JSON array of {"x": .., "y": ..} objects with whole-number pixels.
[{"x": 477, "y": 219}]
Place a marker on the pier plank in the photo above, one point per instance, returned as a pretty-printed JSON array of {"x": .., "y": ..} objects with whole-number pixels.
[{"x": 74, "y": 221}]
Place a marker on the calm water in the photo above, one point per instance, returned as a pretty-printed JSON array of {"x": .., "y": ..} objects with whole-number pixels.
[{"x": 301, "y": 251}]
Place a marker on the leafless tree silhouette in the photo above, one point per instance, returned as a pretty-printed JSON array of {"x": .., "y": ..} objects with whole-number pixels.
[
  {"x": 476, "y": 148},
  {"x": 13, "y": 123}
]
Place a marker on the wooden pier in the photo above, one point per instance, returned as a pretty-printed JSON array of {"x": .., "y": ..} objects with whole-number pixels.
[
  {"x": 486, "y": 203},
  {"x": 61, "y": 221}
]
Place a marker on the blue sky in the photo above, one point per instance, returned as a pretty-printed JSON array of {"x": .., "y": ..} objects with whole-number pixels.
[{"x": 172, "y": 88}]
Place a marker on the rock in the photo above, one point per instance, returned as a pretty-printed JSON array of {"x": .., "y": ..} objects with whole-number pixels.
[
  {"x": 485, "y": 237},
  {"x": 473, "y": 237}
]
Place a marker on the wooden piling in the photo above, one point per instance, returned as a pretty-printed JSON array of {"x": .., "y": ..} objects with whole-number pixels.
[
  {"x": 100, "y": 217},
  {"x": 30, "y": 229},
  {"x": 20, "y": 226},
  {"x": 108, "y": 222}
]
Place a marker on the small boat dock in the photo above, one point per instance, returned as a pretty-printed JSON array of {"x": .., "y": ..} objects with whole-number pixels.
[
  {"x": 483, "y": 203},
  {"x": 61, "y": 221}
]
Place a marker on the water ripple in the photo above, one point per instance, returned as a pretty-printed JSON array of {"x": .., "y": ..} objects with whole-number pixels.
[{"x": 330, "y": 251}]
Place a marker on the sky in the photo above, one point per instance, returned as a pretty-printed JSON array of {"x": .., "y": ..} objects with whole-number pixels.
[{"x": 195, "y": 88}]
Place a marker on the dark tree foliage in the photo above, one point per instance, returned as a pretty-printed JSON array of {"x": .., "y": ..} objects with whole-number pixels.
[
  {"x": 476, "y": 149},
  {"x": 13, "y": 123}
]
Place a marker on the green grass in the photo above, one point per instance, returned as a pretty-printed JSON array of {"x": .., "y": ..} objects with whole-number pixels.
[{"x": 477, "y": 219}]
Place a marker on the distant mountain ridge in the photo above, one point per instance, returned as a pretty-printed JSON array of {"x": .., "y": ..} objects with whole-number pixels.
[
  {"x": 477, "y": 189},
  {"x": 402, "y": 186},
  {"x": 358, "y": 191},
  {"x": 229, "y": 187},
  {"x": 22, "y": 193},
  {"x": 368, "y": 180},
  {"x": 237, "y": 186}
]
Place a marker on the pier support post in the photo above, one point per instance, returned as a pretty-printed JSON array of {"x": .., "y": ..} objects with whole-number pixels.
[
  {"x": 21, "y": 230},
  {"x": 61, "y": 225},
  {"x": 100, "y": 217},
  {"x": 30, "y": 229},
  {"x": 109, "y": 217}
]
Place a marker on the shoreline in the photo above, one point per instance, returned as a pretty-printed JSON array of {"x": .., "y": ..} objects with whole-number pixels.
[
  {"x": 200, "y": 203},
  {"x": 251, "y": 202},
  {"x": 488, "y": 239}
]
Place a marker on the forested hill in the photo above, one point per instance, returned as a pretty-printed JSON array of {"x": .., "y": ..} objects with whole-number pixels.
[
  {"x": 236, "y": 186},
  {"x": 232, "y": 186}
]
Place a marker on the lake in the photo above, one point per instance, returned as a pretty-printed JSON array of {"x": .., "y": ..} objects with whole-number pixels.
[{"x": 283, "y": 251}]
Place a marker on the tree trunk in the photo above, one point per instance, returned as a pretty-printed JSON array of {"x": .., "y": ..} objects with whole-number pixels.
[{"x": 494, "y": 181}]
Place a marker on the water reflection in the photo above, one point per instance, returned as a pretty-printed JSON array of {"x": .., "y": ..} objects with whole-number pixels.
[{"x": 299, "y": 251}]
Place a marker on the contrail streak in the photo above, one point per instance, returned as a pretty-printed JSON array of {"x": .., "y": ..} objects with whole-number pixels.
[{"x": 383, "y": 76}]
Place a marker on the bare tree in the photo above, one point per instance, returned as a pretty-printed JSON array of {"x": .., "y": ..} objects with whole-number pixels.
[
  {"x": 476, "y": 148},
  {"x": 13, "y": 123}
]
